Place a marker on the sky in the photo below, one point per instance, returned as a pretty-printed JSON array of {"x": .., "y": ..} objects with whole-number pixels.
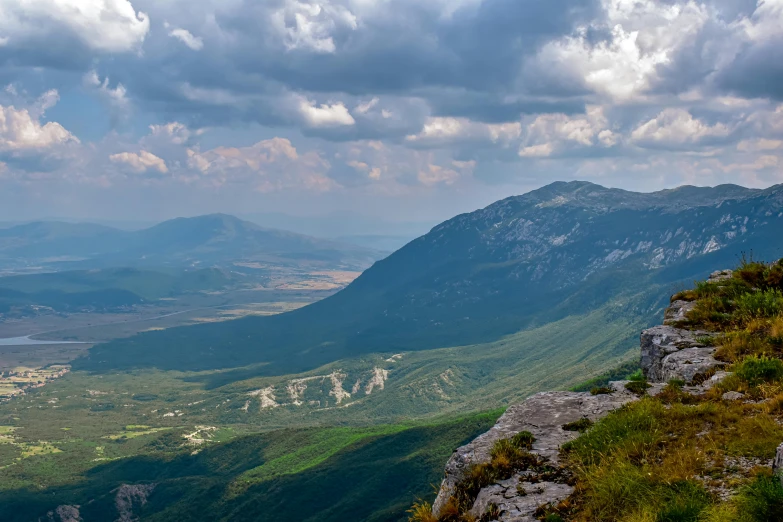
[{"x": 400, "y": 110}]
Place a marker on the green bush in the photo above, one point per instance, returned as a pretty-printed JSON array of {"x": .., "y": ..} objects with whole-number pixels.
[
  {"x": 756, "y": 370},
  {"x": 637, "y": 387},
  {"x": 763, "y": 304},
  {"x": 762, "y": 499},
  {"x": 638, "y": 375},
  {"x": 581, "y": 425},
  {"x": 523, "y": 440}
]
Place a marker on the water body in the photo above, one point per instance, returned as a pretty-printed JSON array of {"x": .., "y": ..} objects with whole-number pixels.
[{"x": 26, "y": 341}]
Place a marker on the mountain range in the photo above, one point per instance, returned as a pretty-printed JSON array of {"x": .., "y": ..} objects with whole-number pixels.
[
  {"x": 200, "y": 241},
  {"x": 565, "y": 249}
]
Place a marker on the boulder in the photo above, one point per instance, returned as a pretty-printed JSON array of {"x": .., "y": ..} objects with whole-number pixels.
[
  {"x": 543, "y": 415},
  {"x": 660, "y": 341},
  {"x": 777, "y": 464},
  {"x": 732, "y": 396},
  {"x": 688, "y": 363},
  {"x": 516, "y": 507},
  {"x": 720, "y": 275},
  {"x": 677, "y": 312}
]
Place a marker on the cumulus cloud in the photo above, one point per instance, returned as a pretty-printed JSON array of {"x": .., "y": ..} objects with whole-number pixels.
[
  {"x": 269, "y": 165},
  {"x": 22, "y": 132},
  {"x": 677, "y": 128},
  {"x": 309, "y": 25},
  {"x": 101, "y": 25},
  {"x": 324, "y": 115},
  {"x": 400, "y": 95},
  {"x": 141, "y": 161}
]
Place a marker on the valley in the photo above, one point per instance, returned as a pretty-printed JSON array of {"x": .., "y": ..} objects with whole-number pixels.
[{"x": 247, "y": 379}]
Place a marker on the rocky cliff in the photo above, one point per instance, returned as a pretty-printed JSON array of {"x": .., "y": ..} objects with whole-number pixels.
[{"x": 668, "y": 352}]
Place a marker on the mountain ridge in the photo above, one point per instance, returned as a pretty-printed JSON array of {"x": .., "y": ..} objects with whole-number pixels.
[
  {"x": 212, "y": 238},
  {"x": 490, "y": 273}
]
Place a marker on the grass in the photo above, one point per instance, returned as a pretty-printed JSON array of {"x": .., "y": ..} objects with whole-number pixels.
[
  {"x": 619, "y": 373},
  {"x": 664, "y": 458},
  {"x": 374, "y": 477}
]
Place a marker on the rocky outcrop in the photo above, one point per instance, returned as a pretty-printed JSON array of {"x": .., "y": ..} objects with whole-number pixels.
[
  {"x": 667, "y": 352},
  {"x": 64, "y": 514},
  {"x": 543, "y": 415},
  {"x": 777, "y": 464},
  {"x": 660, "y": 346},
  {"x": 129, "y": 498}
]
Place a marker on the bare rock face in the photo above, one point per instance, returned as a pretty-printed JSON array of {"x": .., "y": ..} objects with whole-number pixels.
[
  {"x": 720, "y": 275},
  {"x": 518, "y": 500},
  {"x": 543, "y": 415},
  {"x": 777, "y": 464},
  {"x": 659, "y": 342},
  {"x": 688, "y": 363},
  {"x": 677, "y": 312},
  {"x": 64, "y": 514},
  {"x": 128, "y": 498}
]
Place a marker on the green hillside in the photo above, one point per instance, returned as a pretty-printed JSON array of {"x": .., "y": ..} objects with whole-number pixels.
[
  {"x": 329, "y": 474},
  {"x": 566, "y": 249}
]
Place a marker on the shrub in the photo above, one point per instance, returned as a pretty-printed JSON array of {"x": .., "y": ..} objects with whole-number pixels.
[
  {"x": 523, "y": 440},
  {"x": 602, "y": 390},
  {"x": 776, "y": 331},
  {"x": 764, "y": 304},
  {"x": 421, "y": 512},
  {"x": 762, "y": 499},
  {"x": 637, "y": 387},
  {"x": 580, "y": 425},
  {"x": 756, "y": 370},
  {"x": 736, "y": 345},
  {"x": 638, "y": 375}
]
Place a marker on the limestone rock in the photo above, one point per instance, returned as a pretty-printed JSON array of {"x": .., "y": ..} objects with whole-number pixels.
[
  {"x": 732, "y": 396},
  {"x": 677, "y": 312},
  {"x": 130, "y": 497},
  {"x": 519, "y": 508},
  {"x": 777, "y": 464},
  {"x": 659, "y": 341},
  {"x": 688, "y": 363},
  {"x": 64, "y": 514},
  {"x": 720, "y": 275},
  {"x": 543, "y": 415}
]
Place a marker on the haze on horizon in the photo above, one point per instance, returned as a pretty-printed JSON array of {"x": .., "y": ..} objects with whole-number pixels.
[{"x": 397, "y": 110}]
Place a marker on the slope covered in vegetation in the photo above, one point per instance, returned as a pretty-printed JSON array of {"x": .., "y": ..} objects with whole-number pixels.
[
  {"x": 317, "y": 474},
  {"x": 686, "y": 452}
]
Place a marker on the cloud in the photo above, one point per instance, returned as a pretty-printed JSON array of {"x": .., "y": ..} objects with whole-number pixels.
[
  {"x": 325, "y": 115},
  {"x": 675, "y": 128},
  {"x": 183, "y": 35},
  {"x": 34, "y": 31},
  {"x": 439, "y": 131},
  {"x": 142, "y": 161},
  {"x": 309, "y": 25},
  {"x": 173, "y": 132},
  {"x": 269, "y": 166},
  {"x": 116, "y": 97},
  {"x": 21, "y": 130},
  {"x": 396, "y": 97}
]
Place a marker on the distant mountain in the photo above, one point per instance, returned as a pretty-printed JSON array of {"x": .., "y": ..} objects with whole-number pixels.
[
  {"x": 341, "y": 224},
  {"x": 568, "y": 248},
  {"x": 199, "y": 241}
]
